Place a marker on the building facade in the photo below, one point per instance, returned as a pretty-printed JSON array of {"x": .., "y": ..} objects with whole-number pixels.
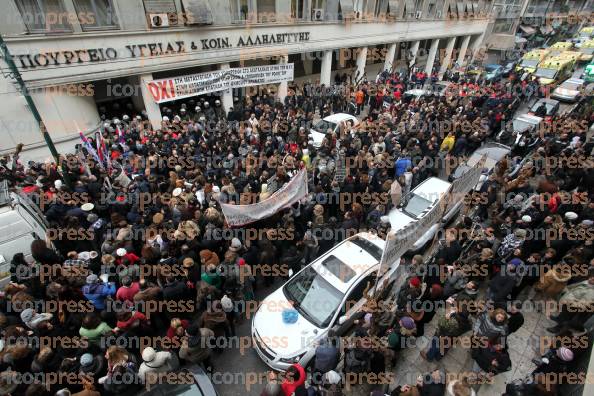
[{"x": 83, "y": 58}]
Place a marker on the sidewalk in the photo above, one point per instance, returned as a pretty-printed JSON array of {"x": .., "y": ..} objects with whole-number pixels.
[{"x": 523, "y": 347}]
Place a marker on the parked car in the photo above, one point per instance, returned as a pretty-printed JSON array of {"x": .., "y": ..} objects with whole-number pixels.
[
  {"x": 21, "y": 222},
  {"x": 493, "y": 73},
  {"x": 418, "y": 203},
  {"x": 520, "y": 133},
  {"x": 569, "y": 90},
  {"x": 508, "y": 68},
  {"x": 323, "y": 292},
  {"x": 552, "y": 106},
  {"x": 330, "y": 123},
  {"x": 494, "y": 153},
  {"x": 202, "y": 385}
]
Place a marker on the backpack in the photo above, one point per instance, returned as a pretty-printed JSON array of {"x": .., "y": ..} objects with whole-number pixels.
[{"x": 356, "y": 362}]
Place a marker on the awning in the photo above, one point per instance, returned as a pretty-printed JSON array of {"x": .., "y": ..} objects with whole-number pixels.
[
  {"x": 502, "y": 41},
  {"x": 528, "y": 30}
]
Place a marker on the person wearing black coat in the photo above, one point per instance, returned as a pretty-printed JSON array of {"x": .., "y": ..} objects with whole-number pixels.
[{"x": 492, "y": 358}]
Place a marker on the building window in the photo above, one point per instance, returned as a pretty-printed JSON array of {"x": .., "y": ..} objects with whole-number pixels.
[
  {"x": 240, "y": 10},
  {"x": 96, "y": 14},
  {"x": 298, "y": 9},
  {"x": 44, "y": 16},
  {"x": 317, "y": 10},
  {"x": 266, "y": 11},
  {"x": 503, "y": 26}
]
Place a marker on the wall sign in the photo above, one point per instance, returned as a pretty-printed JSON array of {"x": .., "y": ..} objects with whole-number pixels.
[{"x": 151, "y": 50}]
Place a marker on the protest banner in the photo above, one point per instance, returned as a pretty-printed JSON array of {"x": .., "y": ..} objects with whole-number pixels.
[
  {"x": 287, "y": 195},
  {"x": 169, "y": 89}
]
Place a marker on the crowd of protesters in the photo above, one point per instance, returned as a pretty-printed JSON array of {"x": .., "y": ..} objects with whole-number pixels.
[{"x": 144, "y": 226}]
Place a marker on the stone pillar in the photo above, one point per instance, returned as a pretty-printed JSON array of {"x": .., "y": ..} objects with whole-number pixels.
[
  {"x": 326, "y": 71},
  {"x": 447, "y": 58},
  {"x": 152, "y": 108},
  {"x": 390, "y": 55},
  {"x": 361, "y": 60},
  {"x": 431, "y": 56},
  {"x": 283, "y": 86},
  {"x": 463, "y": 48},
  {"x": 227, "y": 94},
  {"x": 414, "y": 48},
  {"x": 476, "y": 46}
]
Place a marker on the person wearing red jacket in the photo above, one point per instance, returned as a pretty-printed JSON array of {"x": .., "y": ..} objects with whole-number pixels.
[{"x": 294, "y": 378}]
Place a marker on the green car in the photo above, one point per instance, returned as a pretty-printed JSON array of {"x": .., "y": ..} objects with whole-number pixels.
[{"x": 589, "y": 73}]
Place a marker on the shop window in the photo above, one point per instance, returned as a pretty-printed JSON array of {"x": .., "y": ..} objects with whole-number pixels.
[
  {"x": 44, "y": 16},
  {"x": 159, "y": 6},
  {"x": 197, "y": 12},
  {"x": 503, "y": 26},
  {"x": 96, "y": 14},
  {"x": 266, "y": 11}
]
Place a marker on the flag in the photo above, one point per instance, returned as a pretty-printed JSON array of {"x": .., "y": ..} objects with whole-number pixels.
[
  {"x": 89, "y": 147},
  {"x": 102, "y": 150},
  {"x": 121, "y": 138}
]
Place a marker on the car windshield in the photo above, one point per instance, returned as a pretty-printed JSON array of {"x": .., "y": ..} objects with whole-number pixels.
[
  {"x": 323, "y": 126},
  {"x": 529, "y": 62},
  {"x": 313, "y": 297},
  {"x": 491, "y": 68},
  {"x": 546, "y": 73},
  {"x": 549, "y": 107},
  {"x": 416, "y": 205}
]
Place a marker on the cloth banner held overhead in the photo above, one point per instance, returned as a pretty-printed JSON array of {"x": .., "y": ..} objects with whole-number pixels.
[
  {"x": 287, "y": 195},
  {"x": 169, "y": 89},
  {"x": 464, "y": 184},
  {"x": 398, "y": 243}
]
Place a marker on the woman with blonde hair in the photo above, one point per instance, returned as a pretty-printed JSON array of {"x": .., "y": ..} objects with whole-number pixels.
[{"x": 120, "y": 364}]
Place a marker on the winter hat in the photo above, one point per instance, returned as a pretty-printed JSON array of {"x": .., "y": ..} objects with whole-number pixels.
[
  {"x": 235, "y": 245},
  {"x": 149, "y": 354},
  {"x": 407, "y": 322},
  {"x": 526, "y": 219},
  {"x": 565, "y": 354},
  {"x": 92, "y": 279},
  {"x": 121, "y": 252},
  {"x": 27, "y": 315},
  {"x": 86, "y": 359},
  {"x": 571, "y": 216},
  {"x": 332, "y": 377},
  {"x": 515, "y": 262},
  {"x": 227, "y": 304},
  {"x": 520, "y": 233},
  {"x": 415, "y": 282}
]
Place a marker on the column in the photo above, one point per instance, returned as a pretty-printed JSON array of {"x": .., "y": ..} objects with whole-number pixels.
[
  {"x": 361, "y": 60},
  {"x": 463, "y": 48},
  {"x": 447, "y": 58},
  {"x": 414, "y": 48},
  {"x": 227, "y": 94},
  {"x": 283, "y": 86},
  {"x": 326, "y": 71},
  {"x": 390, "y": 55},
  {"x": 476, "y": 46},
  {"x": 431, "y": 56},
  {"x": 152, "y": 108}
]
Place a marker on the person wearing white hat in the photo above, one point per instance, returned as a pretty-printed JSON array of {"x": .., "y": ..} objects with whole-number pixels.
[{"x": 155, "y": 362}]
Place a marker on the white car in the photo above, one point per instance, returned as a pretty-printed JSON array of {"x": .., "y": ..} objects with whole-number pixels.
[
  {"x": 419, "y": 202},
  {"x": 21, "y": 223},
  {"x": 331, "y": 123},
  {"x": 569, "y": 90},
  {"x": 322, "y": 293}
]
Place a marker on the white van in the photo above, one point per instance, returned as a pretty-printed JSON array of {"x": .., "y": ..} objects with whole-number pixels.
[
  {"x": 21, "y": 222},
  {"x": 332, "y": 123},
  {"x": 324, "y": 291},
  {"x": 419, "y": 202}
]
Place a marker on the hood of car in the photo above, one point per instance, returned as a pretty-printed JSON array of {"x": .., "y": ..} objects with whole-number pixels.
[{"x": 285, "y": 340}]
